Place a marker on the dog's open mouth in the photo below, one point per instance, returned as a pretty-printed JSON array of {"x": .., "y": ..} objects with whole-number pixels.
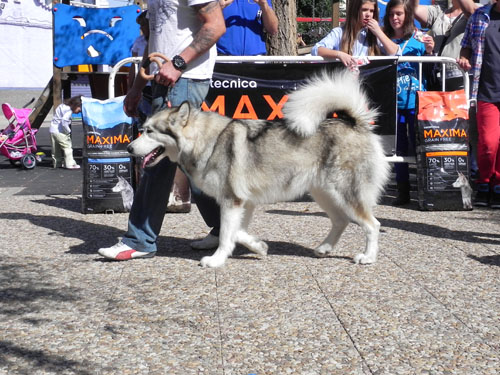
[{"x": 152, "y": 156}]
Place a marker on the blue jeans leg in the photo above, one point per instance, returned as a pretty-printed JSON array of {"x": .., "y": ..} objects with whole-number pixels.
[
  {"x": 405, "y": 143},
  {"x": 208, "y": 207},
  {"x": 151, "y": 198},
  {"x": 148, "y": 210}
]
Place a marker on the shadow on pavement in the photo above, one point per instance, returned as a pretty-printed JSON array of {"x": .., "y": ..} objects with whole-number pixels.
[
  {"x": 429, "y": 230},
  {"x": 490, "y": 260}
]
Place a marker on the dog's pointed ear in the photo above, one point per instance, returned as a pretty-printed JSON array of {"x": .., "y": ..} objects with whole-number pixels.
[{"x": 183, "y": 113}]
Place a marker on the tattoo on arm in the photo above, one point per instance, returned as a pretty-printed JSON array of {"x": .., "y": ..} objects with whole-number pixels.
[
  {"x": 203, "y": 40},
  {"x": 205, "y": 37}
]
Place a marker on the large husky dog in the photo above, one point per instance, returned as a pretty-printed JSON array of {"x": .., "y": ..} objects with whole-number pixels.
[{"x": 242, "y": 163}]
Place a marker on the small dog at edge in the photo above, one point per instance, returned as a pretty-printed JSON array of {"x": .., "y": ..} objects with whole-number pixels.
[
  {"x": 242, "y": 163},
  {"x": 465, "y": 189},
  {"x": 126, "y": 190}
]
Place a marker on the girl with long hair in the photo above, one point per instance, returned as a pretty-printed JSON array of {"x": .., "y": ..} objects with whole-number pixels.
[{"x": 361, "y": 35}]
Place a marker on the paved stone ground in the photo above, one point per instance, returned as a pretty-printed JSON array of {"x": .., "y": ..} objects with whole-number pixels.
[{"x": 430, "y": 305}]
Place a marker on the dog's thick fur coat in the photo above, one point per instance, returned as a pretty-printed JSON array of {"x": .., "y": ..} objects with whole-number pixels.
[{"x": 242, "y": 163}]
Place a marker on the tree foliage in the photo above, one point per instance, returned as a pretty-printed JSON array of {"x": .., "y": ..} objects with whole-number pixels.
[
  {"x": 287, "y": 11},
  {"x": 314, "y": 31},
  {"x": 314, "y": 8}
]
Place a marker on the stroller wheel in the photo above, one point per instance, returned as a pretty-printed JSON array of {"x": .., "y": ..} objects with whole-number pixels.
[{"x": 28, "y": 161}]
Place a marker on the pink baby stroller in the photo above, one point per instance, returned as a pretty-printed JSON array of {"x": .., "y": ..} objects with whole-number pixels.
[{"x": 17, "y": 140}]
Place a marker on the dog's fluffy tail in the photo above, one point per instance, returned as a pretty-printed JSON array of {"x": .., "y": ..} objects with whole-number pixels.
[{"x": 323, "y": 94}]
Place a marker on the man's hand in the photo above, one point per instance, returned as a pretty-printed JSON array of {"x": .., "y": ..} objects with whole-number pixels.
[
  {"x": 464, "y": 63},
  {"x": 464, "y": 59},
  {"x": 225, "y": 3},
  {"x": 168, "y": 75}
]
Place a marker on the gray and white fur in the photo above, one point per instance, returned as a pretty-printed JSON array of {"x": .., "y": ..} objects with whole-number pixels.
[
  {"x": 243, "y": 163},
  {"x": 126, "y": 190},
  {"x": 463, "y": 183}
]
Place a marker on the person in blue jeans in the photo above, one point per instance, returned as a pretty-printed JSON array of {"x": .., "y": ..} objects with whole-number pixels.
[
  {"x": 186, "y": 76},
  {"x": 399, "y": 25}
]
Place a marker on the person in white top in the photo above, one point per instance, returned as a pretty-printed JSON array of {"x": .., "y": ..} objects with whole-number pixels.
[
  {"x": 361, "y": 35},
  {"x": 60, "y": 133},
  {"x": 185, "y": 31}
]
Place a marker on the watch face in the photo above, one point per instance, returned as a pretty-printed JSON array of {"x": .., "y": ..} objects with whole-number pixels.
[{"x": 179, "y": 63}]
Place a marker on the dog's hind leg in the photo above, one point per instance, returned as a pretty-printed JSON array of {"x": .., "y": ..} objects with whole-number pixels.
[
  {"x": 231, "y": 218},
  {"x": 252, "y": 243},
  {"x": 338, "y": 218},
  {"x": 341, "y": 215},
  {"x": 371, "y": 226}
]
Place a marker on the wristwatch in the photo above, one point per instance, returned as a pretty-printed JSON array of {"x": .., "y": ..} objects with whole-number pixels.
[{"x": 179, "y": 63}]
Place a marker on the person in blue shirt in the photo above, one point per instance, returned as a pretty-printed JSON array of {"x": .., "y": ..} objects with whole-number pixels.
[
  {"x": 247, "y": 21},
  {"x": 399, "y": 25}
]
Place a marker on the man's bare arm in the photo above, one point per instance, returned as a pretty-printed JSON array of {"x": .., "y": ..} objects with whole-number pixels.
[
  {"x": 212, "y": 28},
  {"x": 269, "y": 19}
]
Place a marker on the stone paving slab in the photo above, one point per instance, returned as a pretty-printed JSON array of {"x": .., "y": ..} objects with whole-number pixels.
[{"x": 430, "y": 305}]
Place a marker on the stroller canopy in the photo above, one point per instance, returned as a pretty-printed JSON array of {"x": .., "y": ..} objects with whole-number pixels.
[{"x": 19, "y": 114}]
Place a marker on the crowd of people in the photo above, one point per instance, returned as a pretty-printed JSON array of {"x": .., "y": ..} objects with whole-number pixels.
[
  {"x": 361, "y": 35},
  {"x": 466, "y": 31}
]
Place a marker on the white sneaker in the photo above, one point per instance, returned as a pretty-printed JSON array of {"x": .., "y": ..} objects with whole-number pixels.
[
  {"x": 76, "y": 166},
  {"x": 120, "y": 251},
  {"x": 207, "y": 243}
]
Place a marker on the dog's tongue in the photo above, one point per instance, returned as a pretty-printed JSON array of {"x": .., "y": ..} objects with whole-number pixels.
[
  {"x": 147, "y": 158},
  {"x": 150, "y": 157}
]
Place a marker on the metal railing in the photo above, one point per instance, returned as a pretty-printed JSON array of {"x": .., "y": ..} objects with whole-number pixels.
[{"x": 420, "y": 60}]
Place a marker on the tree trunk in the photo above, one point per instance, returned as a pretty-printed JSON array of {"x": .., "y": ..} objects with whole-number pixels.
[{"x": 284, "y": 43}]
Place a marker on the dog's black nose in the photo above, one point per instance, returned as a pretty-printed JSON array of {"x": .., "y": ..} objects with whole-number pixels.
[{"x": 130, "y": 149}]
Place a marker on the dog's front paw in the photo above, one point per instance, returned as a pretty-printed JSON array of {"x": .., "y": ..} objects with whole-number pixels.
[
  {"x": 252, "y": 243},
  {"x": 260, "y": 248},
  {"x": 364, "y": 259},
  {"x": 323, "y": 250},
  {"x": 212, "y": 261}
]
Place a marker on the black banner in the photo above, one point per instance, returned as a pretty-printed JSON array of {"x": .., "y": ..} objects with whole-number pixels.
[{"x": 252, "y": 90}]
